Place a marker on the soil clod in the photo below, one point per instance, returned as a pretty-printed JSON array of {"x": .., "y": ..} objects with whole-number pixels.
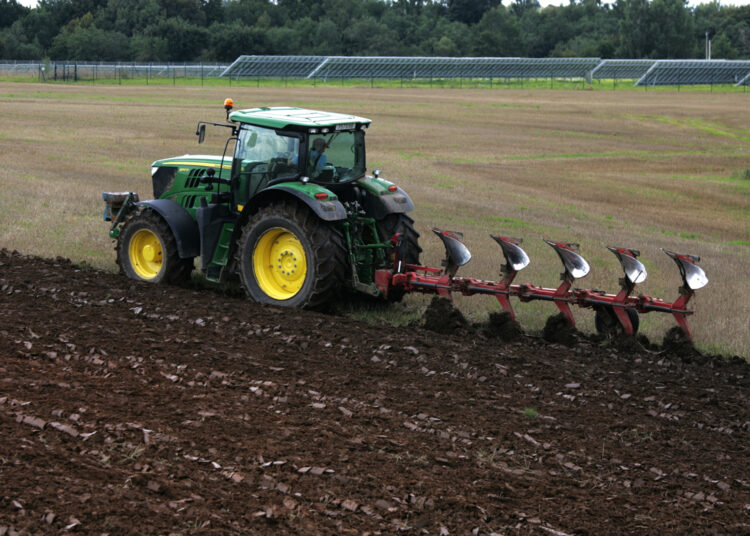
[
  {"x": 442, "y": 317},
  {"x": 557, "y": 330},
  {"x": 502, "y": 326},
  {"x": 676, "y": 343}
]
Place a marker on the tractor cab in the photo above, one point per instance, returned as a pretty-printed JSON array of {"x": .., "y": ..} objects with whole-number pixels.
[{"x": 278, "y": 145}]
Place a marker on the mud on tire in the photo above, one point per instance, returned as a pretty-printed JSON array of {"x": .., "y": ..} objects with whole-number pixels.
[
  {"x": 147, "y": 250},
  {"x": 321, "y": 242}
]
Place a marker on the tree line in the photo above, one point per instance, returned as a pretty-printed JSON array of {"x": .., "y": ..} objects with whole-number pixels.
[{"x": 221, "y": 30}]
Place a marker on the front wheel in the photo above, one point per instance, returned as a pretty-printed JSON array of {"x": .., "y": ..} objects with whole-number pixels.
[
  {"x": 289, "y": 257},
  {"x": 147, "y": 250}
]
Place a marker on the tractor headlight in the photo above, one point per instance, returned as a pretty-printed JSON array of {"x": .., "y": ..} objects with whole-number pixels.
[{"x": 154, "y": 169}]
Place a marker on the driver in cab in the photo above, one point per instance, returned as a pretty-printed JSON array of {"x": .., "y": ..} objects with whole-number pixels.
[{"x": 317, "y": 160}]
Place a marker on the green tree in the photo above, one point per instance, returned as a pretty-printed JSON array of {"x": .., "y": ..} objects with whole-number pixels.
[
  {"x": 497, "y": 34},
  {"x": 129, "y": 16},
  {"x": 185, "y": 41},
  {"x": 634, "y": 28},
  {"x": 470, "y": 11},
  {"x": 86, "y": 42},
  {"x": 10, "y": 12},
  {"x": 145, "y": 47},
  {"x": 16, "y": 45},
  {"x": 672, "y": 29}
]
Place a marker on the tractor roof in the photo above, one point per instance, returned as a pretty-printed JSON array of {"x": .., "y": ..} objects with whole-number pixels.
[{"x": 285, "y": 116}]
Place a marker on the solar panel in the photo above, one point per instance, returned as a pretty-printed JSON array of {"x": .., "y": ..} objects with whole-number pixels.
[
  {"x": 409, "y": 67},
  {"x": 270, "y": 66},
  {"x": 621, "y": 69},
  {"x": 689, "y": 72}
]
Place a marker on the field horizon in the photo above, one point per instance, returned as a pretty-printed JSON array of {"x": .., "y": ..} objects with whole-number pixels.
[{"x": 645, "y": 170}]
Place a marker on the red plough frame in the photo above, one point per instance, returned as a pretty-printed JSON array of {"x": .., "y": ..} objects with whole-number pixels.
[{"x": 612, "y": 310}]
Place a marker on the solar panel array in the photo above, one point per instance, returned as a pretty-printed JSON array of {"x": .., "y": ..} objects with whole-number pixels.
[
  {"x": 621, "y": 69},
  {"x": 689, "y": 72},
  {"x": 409, "y": 67},
  {"x": 645, "y": 72}
]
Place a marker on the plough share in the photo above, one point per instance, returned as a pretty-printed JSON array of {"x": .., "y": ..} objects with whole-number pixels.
[{"x": 613, "y": 311}]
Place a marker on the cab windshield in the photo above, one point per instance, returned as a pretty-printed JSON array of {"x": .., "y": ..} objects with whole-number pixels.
[{"x": 336, "y": 157}]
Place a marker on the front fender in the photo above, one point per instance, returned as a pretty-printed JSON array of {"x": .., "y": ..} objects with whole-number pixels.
[{"x": 183, "y": 226}]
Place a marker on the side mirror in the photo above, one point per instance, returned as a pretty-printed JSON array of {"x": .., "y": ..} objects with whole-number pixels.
[{"x": 201, "y": 133}]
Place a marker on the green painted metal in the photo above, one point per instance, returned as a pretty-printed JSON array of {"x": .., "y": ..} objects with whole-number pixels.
[
  {"x": 375, "y": 185},
  {"x": 286, "y": 117},
  {"x": 272, "y": 150},
  {"x": 309, "y": 189},
  {"x": 196, "y": 160},
  {"x": 186, "y": 189}
]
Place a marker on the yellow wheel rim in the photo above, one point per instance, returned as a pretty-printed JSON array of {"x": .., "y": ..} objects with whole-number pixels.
[
  {"x": 279, "y": 264},
  {"x": 146, "y": 254}
]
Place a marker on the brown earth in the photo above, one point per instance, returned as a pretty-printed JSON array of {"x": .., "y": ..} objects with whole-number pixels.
[{"x": 134, "y": 409}]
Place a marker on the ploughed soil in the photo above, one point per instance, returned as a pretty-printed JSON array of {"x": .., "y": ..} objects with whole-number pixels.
[{"x": 128, "y": 408}]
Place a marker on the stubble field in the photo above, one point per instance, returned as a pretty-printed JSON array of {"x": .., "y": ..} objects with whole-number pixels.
[
  {"x": 642, "y": 170},
  {"x": 129, "y": 408}
]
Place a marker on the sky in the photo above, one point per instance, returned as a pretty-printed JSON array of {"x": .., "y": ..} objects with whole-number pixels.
[
  {"x": 32, "y": 3},
  {"x": 545, "y": 3}
]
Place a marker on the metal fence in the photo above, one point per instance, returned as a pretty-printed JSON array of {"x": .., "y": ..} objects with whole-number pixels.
[
  {"x": 79, "y": 71},
  {"x": 325, "y": 68}
]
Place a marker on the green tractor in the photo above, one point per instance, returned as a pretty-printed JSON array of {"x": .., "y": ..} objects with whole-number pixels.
[{"x": 292, "y": 214}]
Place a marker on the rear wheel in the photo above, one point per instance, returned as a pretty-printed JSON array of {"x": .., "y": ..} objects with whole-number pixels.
[
  {"x": 401, "y": 223},
  {"x": 606, "y": 322},
  {"x": 147, "y": 250},
  {"x": 289, "y": 257}
]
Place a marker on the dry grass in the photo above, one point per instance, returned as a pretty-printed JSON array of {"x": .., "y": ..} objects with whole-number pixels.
[{"x": 644, "y": 170}]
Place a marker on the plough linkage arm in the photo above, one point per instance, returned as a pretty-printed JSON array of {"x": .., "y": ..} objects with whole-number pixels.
[{"x": 444, "y": 282}]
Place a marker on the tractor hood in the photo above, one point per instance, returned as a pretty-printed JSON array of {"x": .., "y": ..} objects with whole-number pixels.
[{"x": 194, "y": 160}]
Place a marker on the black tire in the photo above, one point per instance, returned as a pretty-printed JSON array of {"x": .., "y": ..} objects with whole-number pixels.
[
  {"x": 162, "y": 264},
  {"x": 606, "y": 322},
  {"x": 324, "y": 256},
  {"x": 401, "y": 223}
]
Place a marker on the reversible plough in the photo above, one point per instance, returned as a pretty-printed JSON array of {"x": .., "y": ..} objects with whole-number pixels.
[{"x": 613, "y": 311}]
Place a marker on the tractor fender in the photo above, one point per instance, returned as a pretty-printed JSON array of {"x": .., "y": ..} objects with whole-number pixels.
[
  {"x": 183, "y": 226},
  {"x": 380, "y": 206},
  {"x": 325, "y": 210}
]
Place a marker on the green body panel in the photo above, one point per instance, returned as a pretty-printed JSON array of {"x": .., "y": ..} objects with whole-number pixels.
[
  {"x": 375, "y": 185},
  {"x": 184, "y": 188},
  {"x": 309, "y": 189}
]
